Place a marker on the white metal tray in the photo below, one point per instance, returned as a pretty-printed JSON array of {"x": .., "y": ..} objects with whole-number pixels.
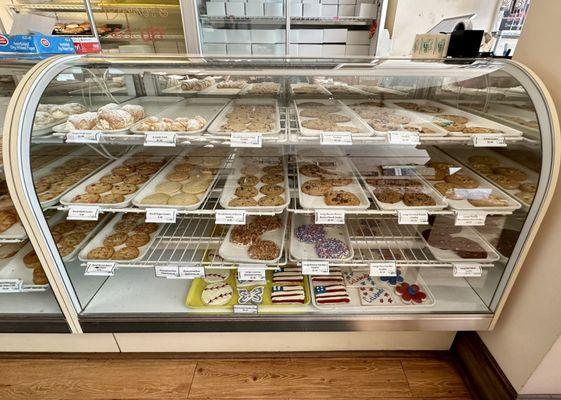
[
  {"x": 238, "y": 253},
  {"x": 356, "y": 121},
  {"x": 97, "y": 241},
  {"x": 100, "y": 223},
  {"x": 81, "y": 188},
  {"x": 246, "y": 90},
  {"x": 319, "y": 90},
  {"x": 451, "y": 256},
  {"x": 349, "y": 91},
  {"x": 14, "y": 268},
  {"x": 302, "y": 251},
  {"x": 215, "y": 127},
  {"x": 228, "y": 193},
  {"x": 340, "y": 167},
  {"x": 473, "y": 120},
  {"x": 188, "y": 108},
  {"x": 150, "y": 187},
  {"x": 410, "y": 275}
]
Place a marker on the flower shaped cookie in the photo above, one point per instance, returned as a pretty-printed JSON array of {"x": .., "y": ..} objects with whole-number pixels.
[{"x": 410, "y": 294}]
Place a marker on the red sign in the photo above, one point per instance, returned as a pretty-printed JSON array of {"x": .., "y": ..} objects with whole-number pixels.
[
  {"x": 86, "y": 45},
  {"x": 3, "y": 40}
]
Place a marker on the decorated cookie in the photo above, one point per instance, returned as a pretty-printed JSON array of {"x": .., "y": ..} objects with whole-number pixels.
[
  {"x": 375, "y": 296},
  {"x": 287, "y": 275},
  {"x": 253, "y": 296},
  {"x": 358, "y": 278},
  {"x": 332, "y": 249},
  {"x": 288, "y": 294},
  {"x": 216, "y": 275},
  {"x": 393, "y": 280},
  {"x": 410, "y": 294},
  {"x": 331, "y": 294},
  {"x": 217, "y": 294},
  {"x": 310, "y": 233}
]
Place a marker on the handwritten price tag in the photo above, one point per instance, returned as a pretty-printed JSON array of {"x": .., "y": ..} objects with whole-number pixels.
[
  {"x": 161, "y": 215},
  {"x": 246, "y": 139},
  {"x": 158, "y": 139},
  {"x": 488, "y": 141},
  {"x": 100, "y": 268},
  {"x": 330, "y": 217},
  {"x": 336, "y": 138},
  {"x": 315, "y": 268},
  {"x": 230, "y": 217},
  {"x": 83, "y": 213}
]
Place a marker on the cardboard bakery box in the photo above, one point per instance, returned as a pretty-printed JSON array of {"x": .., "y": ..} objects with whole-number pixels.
[
  {"x": 348, "y": 2},
  {"x": 214, "y": 49},
  {"x": 309, "y": 50},
  {"x": 311, "y": 10},
  {"x": 274, "y": 9},
  {"x": 268, "y": 49},
  {"x": 365, "y": 10},
  {"x": 267, "y": 36},
  {"x": 216, "y": 8},
  {"x": 238, "y": 36},
  {"x": 254, "y": 9},
  {"x": 335, "y": 35},
  {"x": 358, "y": 37},
  {"x": 239, "y": 49},
  {"x": 296, "y": 10},
  {"x": 211, "y": 35},
  {"x": 235, "y": 9},
  {"x": 357, "y": 50},
  {"x": 329, "y": 10},
  {"x": 310, "y": 35},
  {"x": 346, "y": 10},
  {"x": 293, "y": 50},
  {"x": 329, "y": 2},
  {"x": 333, "y": 50}
]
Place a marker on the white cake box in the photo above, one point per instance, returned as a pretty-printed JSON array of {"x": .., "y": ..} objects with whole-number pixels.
[
  {"x": 334, "y": 36},
  {"x": 216, "y": 8},
  {"x": 366, "y": 10},
  {"x": 254, "y": 9},
  {"x": 357, "y": 50},
  {"x": 358, "y": 37},
  {"x": 312, "y": 10},
  {"x": 293, "y": 50},
  {"x": 217, "y": 49},
  {"x": 294, "y": 35},
  {"x": 235, "y": 9},
  {"x": 238, "y": 36},
  {"x": 353, "y": 2},
  {"x": 239, "y": 49},
  {"x": 310, "y": 35},
  {"x": 329, "y": 2},
  {"x": 211, "y": 35},
  {"x": 296, "y": 10},
  {"x": 333, "y": 50},
  {"x": 267, "y": 49},
  {"x": 274, "y": 9},
  {"x": 346, "y": 10},
  {"x": 267, "y": 36},
  {"x": 329, "y": 10},
  {"x": 309, "y": 50}
]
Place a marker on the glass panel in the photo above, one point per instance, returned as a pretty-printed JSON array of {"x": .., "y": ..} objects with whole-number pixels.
[{"x": 362, "y": 169}]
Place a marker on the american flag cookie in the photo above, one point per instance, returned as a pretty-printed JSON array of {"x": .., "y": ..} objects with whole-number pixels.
[
  {"x": 335, "y": 277},
  {"x": 287, "y": 275},
  {"x": 331, "y": 294},
  {"x": 288, "y": 294}
]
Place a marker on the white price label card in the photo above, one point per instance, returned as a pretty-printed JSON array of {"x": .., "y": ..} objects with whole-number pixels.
[
  {"x": 161, "y": 215},
  {"x": 83, "y": 213},
  {"x": 246, "y": 139},
  {"x": 159, "y": 139},
  {"x": 330, "y": 217},
  {"x": 412, "y": 217},
  {"x": 166, "y": 271},
  {"x": 83, "y": 137},
  {"x": 488, "y": 141},
  {"x": 315, "y": 267},
  {"x": 404, "y": 137},
  {"x": 230, "y": 217},
  {"x": 251, "y": 272},
  {"x": 100, "y": 268},
  {"x": 470, "y": 218},
  {"x": 10, "y": 285},
  {"x": 467, "y": 270},
  {"x": 191, "y": 271},
  {"x": 246, "y": 309},
  {"x": 382, "y": 268},
  {"x": 336, "y": 138}
]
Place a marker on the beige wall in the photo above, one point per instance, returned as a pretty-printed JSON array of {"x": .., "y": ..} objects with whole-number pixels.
[
  {"x": 531, "y": 321},
  {"x": 406, "y": 18}
]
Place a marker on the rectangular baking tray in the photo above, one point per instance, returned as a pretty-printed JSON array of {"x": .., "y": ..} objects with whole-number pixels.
[
  {"x": 194, "y": 300},
  {"x": 320, "y": 90},
  {"x": 473, "y": 120},
  {"x": 355, "y": 305},
  {"x": 214, "y": 90},
  {"x": 415, "y": 120},
  {"x": 160, "y": 177},
  {"x": 188, "y": 108},
  {"x": 351, "y": 91},
  {"x": 355, "y": 121},
  {"x": 107, "y": 230},
  {"x": 267, "y": 306},
  {"x": 14, "y": 268},
  {"x": 152, "y": 105},
  {"x": 450, "y": 256},
  {"x": 215, "y": 127},
  {"x": 246, "y": 91},
  {"x": 238, "y": 253},
  {"x": 342, "y": 167},
  {"x": 301, "y": 251},
  {"x": 228, "y": 192},
  {"x": 81, "y": 188}
]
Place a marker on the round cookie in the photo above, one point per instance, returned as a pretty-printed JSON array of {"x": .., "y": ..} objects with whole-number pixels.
[
  {"x": 242, "y": 202},
  {"x": 490, "y": 201},
  {"x": 341, "y": 198},
  {"x": 86, "y": 198},
  {"x": 271, "y": 179},
  {"x": 111, "y": 198},
  {"x": 183, "y": 199},
  {"x": 340, "y": 181},
  {"x": 448, "y": 190},
  {"x": 98, "y": 188},
  {"x": 126, "y": 253},
  {"x": 197, "y": 186},
  {"x": 156, "y": 198},
  {"x": 217, "y": 294},
  {"x": 263, "y": 250},
  {"x": 316, "y": 187},
  {"x": 136, "y": 179},
  {"x": 331, "y": 249},
  {"x": 31, "y": 260},
  {"x": 268, "y": 201},
  {"x": 177, "y": 176},
  {"x": 273, "y": 169},
  {"x": 462, "y": 181},
  {"x": 123, "y": 170},
  {"x": 115, "y": 239},
  {"x": 138, "y": 239},
  {"x": 248, "y": 180},
  {"x": 311, "y": 233},
  {"x": 124, "y": 188},
  {"x": 266, "y": 223},
  {"x": 244, "y": 235},
  {"x": 504, "y": 181},
  {"x": 100, "y": 253},
  {"x": 416, "y": 199},
  {"x": 39, "y": 276},
  {"x": 246, "y": 191},
  {"x": 528, "y": 187},
  {"x": 146, "y": 227},
  {"x": 168, "y": 187},
  {"x": 271, "y": 190},
  {"x": 511, "y": 173},
  {"x": 388, "y": 195},
  {"x": 64, "y": 227},
  {"x": 111, "y": 179}
]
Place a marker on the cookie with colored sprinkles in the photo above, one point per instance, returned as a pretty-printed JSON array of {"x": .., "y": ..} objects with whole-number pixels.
[
  {"x": 311, "y": 233},
  {"x": 332, "y": 249}
]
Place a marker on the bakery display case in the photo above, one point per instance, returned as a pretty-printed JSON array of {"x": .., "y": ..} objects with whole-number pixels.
[
  {"x": 27, "y": 302},
  {"x": 276, "y": 194}
]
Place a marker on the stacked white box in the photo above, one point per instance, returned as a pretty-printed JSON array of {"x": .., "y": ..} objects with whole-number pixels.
[
  {"x": 274, "y": 9},
  {"x": 346, "y": 10},
  {"x": 211, "y": 35},
  {"x": 238, "y": 36},
  {"x": 293, "y": 50},
  {"x": 335, "y": 35},
  {"x": 332, "y": 50},
  {"x": 254, "y": 9},
  {"x": 358, "y": 37},
  {"x": 216, "y": 8},
  {"x": 357, "y": 50},
  {"x": 267, "y": 36},
  {"x": 214, "y": 49},
  {"x": 235, "y": 9},
  {"x": 267, "y": 49},
  {"x": 310, "y": 36},
  {"x": 296, "y": 9},
  {"x": 309, "y": 50},
  {"x": 311, "y": 10},
  {"x": 329, "y": 10},
  {"x": 239, "y": 49},
  {"x": 365, "y": 10}
]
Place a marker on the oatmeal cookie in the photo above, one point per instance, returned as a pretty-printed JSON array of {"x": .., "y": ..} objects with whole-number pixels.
[
  {"x": 263, "y": 250},
  {"x": 271, "y": 190},
  {"x": 138, "y": 239},
  {"x": 115, "y": 239},
  {"x": 448, "y": 190},
  {"x": 64, "y": 227},
  {"x": 388, "y": 195},
  {"x": 413, "y": 199},
  {"x": 341, "y": 198},
  {"x": 504, "y": 181},
  {"x": 316, "y": 187},
  {"x": 146, "y": 227},
  {"x": 269, "y": 201},
  {"x": 462, "y": 181},
  {"x": 512, "y": 173}
]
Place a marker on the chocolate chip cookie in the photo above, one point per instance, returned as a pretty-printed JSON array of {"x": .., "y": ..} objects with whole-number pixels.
[
  {"x": 341, "y": 198},
  {"x": 462, "y": 181},
  {"x": 388, "y": 195},
  {"x": 413, "y": 199},
  {"x": 246, "y": 191},
  {"x": 316, "y": 187}
]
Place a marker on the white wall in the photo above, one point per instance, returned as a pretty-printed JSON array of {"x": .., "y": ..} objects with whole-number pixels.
[
  {"x": 525, "y": 341},
  {"x": 418, "y": 16}
]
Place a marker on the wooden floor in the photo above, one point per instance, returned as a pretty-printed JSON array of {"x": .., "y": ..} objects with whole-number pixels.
[{"x": 290, "y": 377}]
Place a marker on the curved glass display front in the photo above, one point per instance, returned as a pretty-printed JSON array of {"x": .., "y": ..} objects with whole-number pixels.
[{"x": 205, "y": 190}]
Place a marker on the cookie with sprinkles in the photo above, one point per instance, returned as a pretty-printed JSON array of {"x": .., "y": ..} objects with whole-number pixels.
[
  {"x": 311, "y": 233},
  {"x": 331, "y": 248}
]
